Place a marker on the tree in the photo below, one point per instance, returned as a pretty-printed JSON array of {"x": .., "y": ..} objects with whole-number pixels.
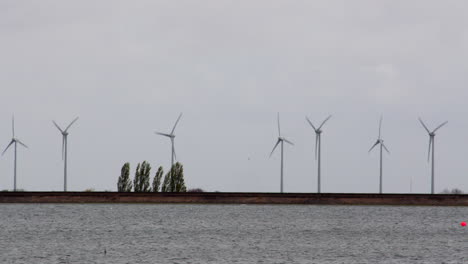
[
  {"x": 174, "y": 179},
  {"x": 142, "y": 177},
  {"x": 157, "y": 179},
  {"x": 179, "y": 182},
  {"x": 165, "y": 186},
  {"x": 124, "y": 184}
]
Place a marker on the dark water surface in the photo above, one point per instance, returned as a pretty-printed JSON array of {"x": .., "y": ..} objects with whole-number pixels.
[{"x": 135, "y": 233}]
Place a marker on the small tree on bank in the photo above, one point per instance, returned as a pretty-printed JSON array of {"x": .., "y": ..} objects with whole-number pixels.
[
  {"x": 142, "y": 177},
  {"x": 453, "y": 191},
  {"x": 174, "y": 180},
  {"x": 157, "y": 179},
  {"x": 124, "y": 183}
]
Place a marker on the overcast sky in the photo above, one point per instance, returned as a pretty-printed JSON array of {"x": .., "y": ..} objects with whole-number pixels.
[{"x": 128, "y": 68}]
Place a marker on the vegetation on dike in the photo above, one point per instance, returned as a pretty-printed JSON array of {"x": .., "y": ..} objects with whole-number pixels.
[
  {"x": 453, "y": 191},
  {"x": 173, "y": 180}
]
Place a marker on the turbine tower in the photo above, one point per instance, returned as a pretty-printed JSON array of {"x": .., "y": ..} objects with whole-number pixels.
[
  {"x": 318, "y": 147},
  {"x": 15, "y": 141},
  {"x": 431, "y": 151},
  {"x": 64, "y": 150},
  {"x": 280, "y": 140},
  {"x": 172, "y": 137},
  {"x": 382, "y": 146}
]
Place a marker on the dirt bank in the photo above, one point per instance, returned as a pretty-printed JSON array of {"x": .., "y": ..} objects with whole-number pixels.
[{"x": 236, "y": 198}]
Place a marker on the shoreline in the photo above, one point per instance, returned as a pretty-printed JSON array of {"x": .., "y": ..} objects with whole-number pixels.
[{"x": 237, "y": 198}]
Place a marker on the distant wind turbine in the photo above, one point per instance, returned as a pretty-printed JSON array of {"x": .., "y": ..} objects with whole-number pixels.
[
  {"x": 64, "y": 150},
  {"x": 280, "y": 140},
  {"x": 431, "y": 143},
  {"x": 318, "y": 147},
  {"x": 15, "y": 141},
  {"x": 172, "y": 137},
  {"x": 382, "y": 146}
]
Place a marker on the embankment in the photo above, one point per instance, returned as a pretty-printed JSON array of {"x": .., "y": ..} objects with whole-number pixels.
[{"x": 237, "y": 198}]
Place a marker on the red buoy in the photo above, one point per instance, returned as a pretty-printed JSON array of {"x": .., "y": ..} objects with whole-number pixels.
[{"x": 463, "y": 223}]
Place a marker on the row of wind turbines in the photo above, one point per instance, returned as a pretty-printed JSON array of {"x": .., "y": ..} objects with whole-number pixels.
[
  {"x": 15, "y": 141},
  {"x": 280, "y": 142},
  {"x": 379, "y": 142}
]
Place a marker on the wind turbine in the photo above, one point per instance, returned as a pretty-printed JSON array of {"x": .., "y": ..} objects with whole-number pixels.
[
  {"x": 382, "y": 146},
  {"x": 64, "y": 150},
  {"x": 280, "y": 140},
  {"x": 431, "y": 143},
  {"x": 318, "y": 147},
  {"x": 172, "y": 137},
  {"x": 15, "y": 141}
]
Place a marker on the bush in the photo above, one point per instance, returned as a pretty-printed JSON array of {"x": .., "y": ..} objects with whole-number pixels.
[
  {"x": 453, "y": 191},
  {"x": 196, "y": 190}
]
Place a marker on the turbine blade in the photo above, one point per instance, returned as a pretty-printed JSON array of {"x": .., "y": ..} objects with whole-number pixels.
[
  {"x": 57, "y": 126},
  {"x": 425, "y": 127},
  {"x": 173, "y": 148},
  {"x": 74, "y": 120},
  {"x": 310, "y": 123},
  {"x": 21, "y": 143},
  {"x": 441, "y": 125},
  {"x": 63, "y": 148},
  {"x": 173, "y": 129},
  {"x": 385, "y": 147},
  {"x": 380, "y": 127},
  {"x": 11, "y": 142},
  {"x": 276, "y": 145},
  {"x": 279, "y": 129},
  {"x": 324, "y": 121},
  {"x": 429, "y": 150},
  {"x": 13, "y": 125},
  {"x": 287, "y": 141},
  {"x": 373, "y": 146},
  {"x": 316, "y": 145},
  {"x": 162, "y": 134}
]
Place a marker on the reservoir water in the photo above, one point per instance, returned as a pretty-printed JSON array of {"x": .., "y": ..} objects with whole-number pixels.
[{"x": 136, "y": 233}]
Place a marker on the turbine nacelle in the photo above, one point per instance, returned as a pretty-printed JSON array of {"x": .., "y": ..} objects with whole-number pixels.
[{"x": 318, "y": 130}]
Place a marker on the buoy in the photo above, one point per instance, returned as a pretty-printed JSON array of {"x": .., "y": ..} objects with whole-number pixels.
[{"x": 463, "y": 223}]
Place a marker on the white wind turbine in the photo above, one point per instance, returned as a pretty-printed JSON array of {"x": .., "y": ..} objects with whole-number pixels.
[
  {"x": 172, "y": 137},
  {"x": 382, "y": 146},
  {"x": 431, "y": 143},
  {"x": 64, "y": 150},
  {"x": 15, "y": 141},
  {"x": 318, "y": 147},
  {"x": 280, "y": 140}
]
